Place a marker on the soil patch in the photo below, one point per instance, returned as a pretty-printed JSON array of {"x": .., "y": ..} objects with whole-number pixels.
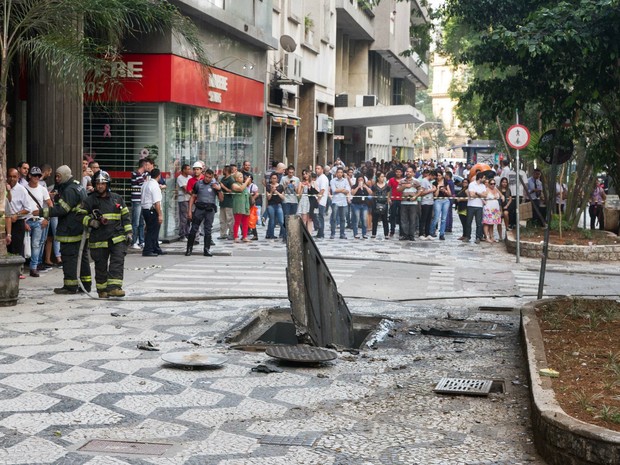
[
  {"x": 577, "y": 237},
  {"x": 582, "y": 343}
]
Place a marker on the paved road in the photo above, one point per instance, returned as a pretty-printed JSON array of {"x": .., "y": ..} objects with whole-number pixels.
[{"x": 70, "y": 371}]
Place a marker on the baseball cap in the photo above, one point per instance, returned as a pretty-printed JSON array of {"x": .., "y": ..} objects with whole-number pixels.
[
  {"x": 197, "y": 165},
  {"x": 35, "y": 171}
]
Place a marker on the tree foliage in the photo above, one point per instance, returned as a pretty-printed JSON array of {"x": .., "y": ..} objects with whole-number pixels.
[{"x": 557, "y": 60}]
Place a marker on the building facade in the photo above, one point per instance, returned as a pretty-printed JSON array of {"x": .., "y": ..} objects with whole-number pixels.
[
  {"x": 376, "y": 85},
  {"x": 173, "y": 110},
  {"x": 294, "y": 81},
  {"x": 443, "y": 105}
]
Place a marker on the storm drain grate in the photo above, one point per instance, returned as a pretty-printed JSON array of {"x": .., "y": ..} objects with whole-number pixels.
[
  {"x": 302, "y": 439},
  {"x": 471, "y": 387},
  {"x": 125, "y": 447}
]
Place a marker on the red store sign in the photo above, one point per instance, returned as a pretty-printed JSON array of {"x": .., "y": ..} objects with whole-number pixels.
[{"x": 170, "y": 78}]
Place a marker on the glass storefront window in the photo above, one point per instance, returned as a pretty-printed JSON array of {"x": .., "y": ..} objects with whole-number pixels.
[
  {"x": 213, "y": 137},
  {"x": 117, "y": 137}
]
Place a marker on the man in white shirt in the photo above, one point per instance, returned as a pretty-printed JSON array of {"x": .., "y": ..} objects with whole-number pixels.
[
  {"x": 23, "y": 168},
  {"x": 476, "y": 192},
  {"x": 322, "y": 184},
  {"x": 290, "y": 182},
  {"x": 22, "y": 207},
  {"x": 183, "y": 200},
  {"x": 150, "y": 202},
  {"x": 37, "y": 225},
  {"x": 340, "y": 189},
  {"x": 535, "y": 192},
  {"x": 561, "y": 194}
]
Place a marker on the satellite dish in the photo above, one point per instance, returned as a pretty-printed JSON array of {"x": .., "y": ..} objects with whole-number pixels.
[{"x": 288, "y": 43}]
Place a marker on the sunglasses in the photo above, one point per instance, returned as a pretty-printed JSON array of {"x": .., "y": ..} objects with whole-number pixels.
[{"x": 492, "y": 183}]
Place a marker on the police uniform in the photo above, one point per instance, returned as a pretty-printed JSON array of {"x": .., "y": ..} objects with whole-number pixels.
[
  {"x": 110, "y": 223},
  {"x": 205, "y": 211},
  {"x": 69, "y": 231}
]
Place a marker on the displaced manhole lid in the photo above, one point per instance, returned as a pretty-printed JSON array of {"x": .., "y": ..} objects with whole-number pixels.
[
  {"x": 471, "y": 387},
  {"x": 125, "y": 447},
  {"x": 194, "y": 359},
  {"x": 301, "y": 354}
]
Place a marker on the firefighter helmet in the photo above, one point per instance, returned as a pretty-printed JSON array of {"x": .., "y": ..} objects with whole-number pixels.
[{"x": 102, "y": 176}]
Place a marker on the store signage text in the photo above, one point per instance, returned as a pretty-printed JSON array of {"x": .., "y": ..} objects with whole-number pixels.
[
  {"x": 217, "y": 81},
  {"x": 118, "y": 69}
]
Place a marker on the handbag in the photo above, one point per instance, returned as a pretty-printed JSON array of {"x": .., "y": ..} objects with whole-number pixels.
[
  {"x": 27, "y": 245},
  {"x": 380, "y": 207}
]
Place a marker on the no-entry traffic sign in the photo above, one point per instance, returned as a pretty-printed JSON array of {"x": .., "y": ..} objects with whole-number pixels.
[{"x": 518, "y": 136}]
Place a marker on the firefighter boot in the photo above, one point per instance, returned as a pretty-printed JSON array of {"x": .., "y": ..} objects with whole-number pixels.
[{"x": 116, "y": 293}]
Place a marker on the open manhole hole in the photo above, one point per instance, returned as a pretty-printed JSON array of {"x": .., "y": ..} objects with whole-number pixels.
[
  {"x": 104, "y": 446},
  {"x": 274, "y": 326}
]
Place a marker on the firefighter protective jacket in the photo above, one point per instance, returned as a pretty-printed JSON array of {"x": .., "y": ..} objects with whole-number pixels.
[
  {"x": 112, "y": 208},
  {"x": 66, "y": 205}
]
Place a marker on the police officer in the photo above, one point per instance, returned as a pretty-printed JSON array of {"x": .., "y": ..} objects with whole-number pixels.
[
  {"x": 69, "y": 230},
  {"x": 108, "y": 217},
  {"x": 203, "y": 197}
]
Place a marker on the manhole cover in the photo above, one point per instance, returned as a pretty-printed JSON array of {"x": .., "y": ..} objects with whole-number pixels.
[
  {"x": 125, "y": 447},
  {"x": 472, "y": 387},
  {"x": 194, "y": 359},
  {"x": 301, "y": 354}
]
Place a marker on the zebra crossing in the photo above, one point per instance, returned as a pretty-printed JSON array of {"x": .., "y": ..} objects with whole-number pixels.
[
  {"x": 526, "y": 281},
  {"x": 441, "y": 281},
  {"x": 228, "y": 275}
]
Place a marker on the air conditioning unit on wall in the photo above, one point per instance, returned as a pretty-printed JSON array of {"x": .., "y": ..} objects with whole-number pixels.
[
  {"x": 324, "y": 123},
  {"x": 292, "y": 67},
  {"x": 366, "y": 101}
]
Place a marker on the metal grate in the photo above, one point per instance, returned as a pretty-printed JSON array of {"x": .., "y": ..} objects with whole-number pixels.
[
  {"x": 495, "y": 309},
  {"x": 125, "y": 447},
  {"x": 472, "y": 387},
  {"x": 302, "y": 439},
  {"x": 301, "y": 353}
]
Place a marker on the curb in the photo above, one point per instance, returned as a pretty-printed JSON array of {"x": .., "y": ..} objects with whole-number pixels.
[
  {"x": 582, "y": 253},
  {"x": 559, "y": 438}
]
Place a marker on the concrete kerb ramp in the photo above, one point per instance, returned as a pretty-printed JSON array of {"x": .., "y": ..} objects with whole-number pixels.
[
  {"x": 560, "y": 438},
  {"x": 320, "y": 314}
]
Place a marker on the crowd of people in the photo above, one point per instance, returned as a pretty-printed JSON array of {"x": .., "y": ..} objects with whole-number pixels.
[
  {"x": 50, "y": 222},
  {"x": 411, "y": 201},
  {"x": 414, "y": 199}
]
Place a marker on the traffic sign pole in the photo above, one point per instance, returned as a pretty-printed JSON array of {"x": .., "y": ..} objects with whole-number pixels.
[{"x": 518, "y": 137}]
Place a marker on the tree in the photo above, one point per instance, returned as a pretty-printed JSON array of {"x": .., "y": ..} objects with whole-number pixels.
[
  {"x": 557, "y": 60},
  {"x": 71, "y": 39}
]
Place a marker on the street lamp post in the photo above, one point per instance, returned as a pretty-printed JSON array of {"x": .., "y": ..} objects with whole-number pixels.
[{"x": 415, "y": 131}]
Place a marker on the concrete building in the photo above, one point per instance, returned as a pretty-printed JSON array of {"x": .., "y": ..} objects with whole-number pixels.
[
  {"x": 443, "y": 106},
  {"x": 301, "y": 83},
  {"x": 376, "y": 85},
  {"x": 279, "y": 70}
]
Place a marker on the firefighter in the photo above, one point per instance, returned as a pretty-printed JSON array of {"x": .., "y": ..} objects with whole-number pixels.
[
  {"x": 107, "y": 216},
  {"x": 69, "y": 230}
]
